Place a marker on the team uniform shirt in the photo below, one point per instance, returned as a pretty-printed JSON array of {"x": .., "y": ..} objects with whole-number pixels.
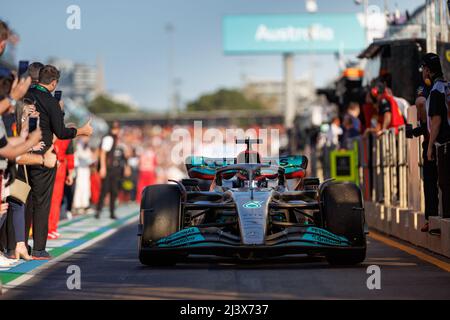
[
  {"x": 437, "y": 105},
  {"x": 385, "y": 107},
  {"x": 107, "y": 143},
  {"x": 388, "y": 104},
  {"x": 65, "y": 152},
  {"x": 403, "y": 106},
  {"x": 51, "y": 117},
  {"x": 115, "y": 153},
  {"x": 147, "y": 161}
]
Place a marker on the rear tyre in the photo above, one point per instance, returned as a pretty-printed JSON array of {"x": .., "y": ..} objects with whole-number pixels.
[
  {"x": 161, "y": 216},
  {"x": 343, "y": 214}
]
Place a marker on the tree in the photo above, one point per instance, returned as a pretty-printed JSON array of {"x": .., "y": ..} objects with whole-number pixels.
[
  {"x": 104, "y": 104},
  {"x": 224, "y": 99}
]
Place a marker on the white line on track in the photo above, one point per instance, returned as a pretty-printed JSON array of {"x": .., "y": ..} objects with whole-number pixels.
[{"x": 26, "y": 277}]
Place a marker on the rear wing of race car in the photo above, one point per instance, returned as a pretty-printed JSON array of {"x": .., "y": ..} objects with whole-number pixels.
[
  {"x": 288, "y": 162},
  {"x": 217, "y": 163},
  {"x": 206, "y": 168}
]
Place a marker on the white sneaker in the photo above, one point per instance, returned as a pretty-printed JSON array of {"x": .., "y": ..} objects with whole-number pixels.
[
  {"x": 6, "y": 263},
  {"x": 69, "y": 215}
]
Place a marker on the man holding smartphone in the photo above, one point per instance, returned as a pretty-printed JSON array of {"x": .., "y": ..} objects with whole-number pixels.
[{"x": 42, "y": 178}]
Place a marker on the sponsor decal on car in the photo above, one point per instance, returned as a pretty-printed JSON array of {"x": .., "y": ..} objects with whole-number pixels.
[
  {"x": 183, "y": 241},
  {"x": 181, "y": 234},
  {"x": 253, "y": 205}
]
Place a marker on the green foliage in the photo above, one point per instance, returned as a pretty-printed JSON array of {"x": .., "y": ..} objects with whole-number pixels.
[
  {"x": 104, "y": 104},
  {"x": 224, "y": 99}
]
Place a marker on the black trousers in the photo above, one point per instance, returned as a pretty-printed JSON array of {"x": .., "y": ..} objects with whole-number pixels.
[
  {"x": 430, "y": 184},
  {"x": 443, "y": 157},
  {"x": 68, "y": 196},
  {"x": 110, "y": 185},
  {"x": 38, "y": 205}
]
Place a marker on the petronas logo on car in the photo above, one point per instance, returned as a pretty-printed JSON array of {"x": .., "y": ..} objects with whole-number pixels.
[{"x": 253, "y": 205}]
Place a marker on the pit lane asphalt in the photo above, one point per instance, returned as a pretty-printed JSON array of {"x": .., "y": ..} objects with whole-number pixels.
[{"x": 110, "y": 270}]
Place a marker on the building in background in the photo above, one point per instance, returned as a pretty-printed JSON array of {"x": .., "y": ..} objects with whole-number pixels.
[
  {"x": 409, "y": 26},
  {"x": 80, "y": 82},
  {"x": 124, "y": 98},
  {"x": 272, "y": 93}
]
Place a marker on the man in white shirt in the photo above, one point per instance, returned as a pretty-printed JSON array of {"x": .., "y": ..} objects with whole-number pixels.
[{"x": 113, "y": 162}]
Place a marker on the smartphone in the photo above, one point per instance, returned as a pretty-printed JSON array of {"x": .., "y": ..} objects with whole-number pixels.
[
  {"x": 23, "y": 68},
  {"x": 58, "y": 95},
  {"x": 33, "y": 124}
]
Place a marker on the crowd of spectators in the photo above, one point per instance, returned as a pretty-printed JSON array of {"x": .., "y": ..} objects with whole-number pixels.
[
  {"x": 33, "y": 144},
  {"x": 380, "y": 110}
]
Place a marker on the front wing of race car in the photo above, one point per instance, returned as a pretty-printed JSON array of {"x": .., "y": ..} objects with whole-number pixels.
[{"x": 213, "y": 241}]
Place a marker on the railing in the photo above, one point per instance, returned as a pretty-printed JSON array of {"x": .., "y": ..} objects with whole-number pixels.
[{"x": 383, "y": 167}]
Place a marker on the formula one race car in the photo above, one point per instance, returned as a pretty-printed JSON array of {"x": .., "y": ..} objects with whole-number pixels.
[{"x": 243, "y": 208}]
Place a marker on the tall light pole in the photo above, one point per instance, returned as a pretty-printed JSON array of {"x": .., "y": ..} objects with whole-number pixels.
[
  {"x": 366, "y": 19},
  {"x": 386, "y": 11},
  {"x": 170, "y": 29},
  {"x": 289, "y": 78},
  {"x": 443, "y": 20},
  {"x": 289, "y": 81},
  {"x": 431, "y": 29},
  {"x": 365, "y": 4}
]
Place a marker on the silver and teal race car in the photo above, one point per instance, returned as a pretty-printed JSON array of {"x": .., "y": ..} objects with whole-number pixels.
[{"x": 244, "y": 208}]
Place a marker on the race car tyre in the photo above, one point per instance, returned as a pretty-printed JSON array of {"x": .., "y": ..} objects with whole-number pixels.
[
  {"x": 343, "y": 214},
  {"x": 160, "y": 207}
]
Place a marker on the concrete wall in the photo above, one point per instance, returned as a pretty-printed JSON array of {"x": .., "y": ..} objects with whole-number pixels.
[{"x": 406, "y": 224}]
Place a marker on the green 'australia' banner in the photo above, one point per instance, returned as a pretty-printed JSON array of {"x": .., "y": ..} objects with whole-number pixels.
[{"x": 319, "y": 33}]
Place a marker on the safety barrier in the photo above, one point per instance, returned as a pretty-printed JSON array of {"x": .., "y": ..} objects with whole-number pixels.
[
  {"x": 383, "y": 167},
  {"x": 391, "y": 159}
]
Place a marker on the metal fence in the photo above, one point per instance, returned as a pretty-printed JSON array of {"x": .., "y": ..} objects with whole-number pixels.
[
  {"x": 383, "y": 167},
  {"x": 390, "y": 167}
]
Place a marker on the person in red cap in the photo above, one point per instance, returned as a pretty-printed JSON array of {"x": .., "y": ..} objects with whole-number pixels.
[{"x": 389, "y": 114}]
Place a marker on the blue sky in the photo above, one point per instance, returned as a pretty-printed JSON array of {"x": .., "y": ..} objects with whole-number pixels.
[{"x": 131, "y": 39}]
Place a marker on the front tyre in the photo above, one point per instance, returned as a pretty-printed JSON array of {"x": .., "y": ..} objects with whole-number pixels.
[
  {"x": 160, "y": 217},
  {"x": 343, "y": 214}
]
